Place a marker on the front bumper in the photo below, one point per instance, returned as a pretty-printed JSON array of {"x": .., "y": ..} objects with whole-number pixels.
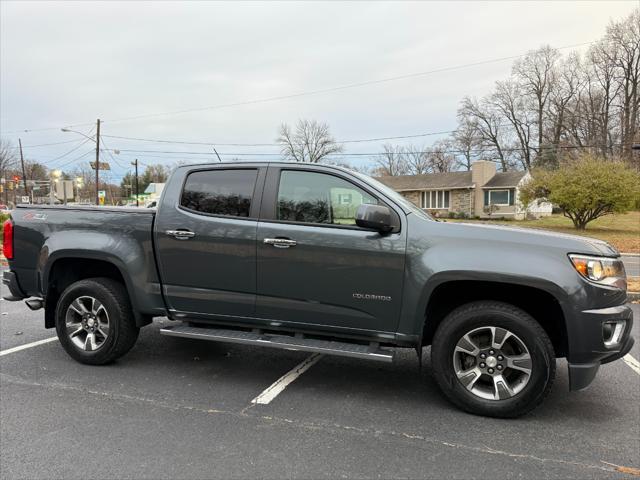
[
  {"x": 10, "y": 279},
  {"x": 589, "y": 348}
]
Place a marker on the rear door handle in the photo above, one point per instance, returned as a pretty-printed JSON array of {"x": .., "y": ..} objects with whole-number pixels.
[
  {"x": 280, "y": 242},
  {"x": 180, "y": 234}
]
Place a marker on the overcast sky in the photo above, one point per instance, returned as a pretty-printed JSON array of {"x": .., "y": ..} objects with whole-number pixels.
[{"x": 67, "y": 63}]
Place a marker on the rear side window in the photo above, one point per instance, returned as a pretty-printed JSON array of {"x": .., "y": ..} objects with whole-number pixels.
[{"x": 220, "y": 192}]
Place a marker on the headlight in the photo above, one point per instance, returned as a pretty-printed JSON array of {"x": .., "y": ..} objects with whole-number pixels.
[{"x": 603, "y": 270}]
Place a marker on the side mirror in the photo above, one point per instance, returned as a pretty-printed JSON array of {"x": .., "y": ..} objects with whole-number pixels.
[{"x": 377, "y": 217}]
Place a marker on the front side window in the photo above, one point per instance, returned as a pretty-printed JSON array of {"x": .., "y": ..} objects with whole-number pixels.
[
  {"x": 220, "y": 192},
  {"x": 312, "y": 197}
]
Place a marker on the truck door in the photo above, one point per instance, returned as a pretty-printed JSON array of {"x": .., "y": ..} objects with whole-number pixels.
[
  {"x": 315, "y": 266},
  {"x": 205, "y": 237}
]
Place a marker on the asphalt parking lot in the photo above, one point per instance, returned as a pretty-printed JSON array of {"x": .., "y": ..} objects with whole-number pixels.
[{"x": 179, "y": 408}]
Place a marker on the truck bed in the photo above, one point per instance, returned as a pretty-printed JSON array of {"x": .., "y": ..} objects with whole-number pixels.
[{"x": 121, "y": 236}]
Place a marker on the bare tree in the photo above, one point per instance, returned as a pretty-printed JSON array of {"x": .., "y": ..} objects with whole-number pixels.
[
  {"x": 35, "y": 170},
  {"x": 441, "y": 158},
  {"x": 310, "y": 142},
  {"x": 625, "y": 36},
  {"x": 8, "y": 157},
  {"x": 467, "y": 140},
  {"x": 416, "y": 160},
  {"x": 488, "y": 122},
  {"x": 509, "y": 100},
  {"x": 536, "y": 76},
  {"x": 392, "y": 161}
]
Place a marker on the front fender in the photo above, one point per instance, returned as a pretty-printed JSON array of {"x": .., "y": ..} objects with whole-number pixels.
[{"x": 434, "y": 263}]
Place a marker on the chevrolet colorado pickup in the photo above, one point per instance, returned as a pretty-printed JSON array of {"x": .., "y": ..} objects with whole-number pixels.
[{"x": 321, "y": 259}]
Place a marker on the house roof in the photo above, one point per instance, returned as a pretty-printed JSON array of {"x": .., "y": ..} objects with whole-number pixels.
[
  {"x": 426, "y": 182},
  {"x": 505, "y": 179}
]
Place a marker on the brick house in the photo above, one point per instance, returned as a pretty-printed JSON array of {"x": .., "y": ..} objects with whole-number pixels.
[{"x": 478, "y": 192}]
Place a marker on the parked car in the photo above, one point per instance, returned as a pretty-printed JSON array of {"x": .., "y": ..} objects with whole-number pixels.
[
  {"x": 321, "y": 259},
  {"x": 4, "y": 209}
]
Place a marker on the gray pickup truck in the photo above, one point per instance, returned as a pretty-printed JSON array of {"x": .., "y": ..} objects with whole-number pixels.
[{"x": 321, "y": 259}]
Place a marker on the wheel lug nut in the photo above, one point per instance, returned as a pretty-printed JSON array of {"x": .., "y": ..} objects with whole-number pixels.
[
  {"x": 500, "y": 357},
  {"x": 482, "y": 355},
  {"x": 490, "y": 370},
  {"x": 499, "y": 367},
  {"x": 491, "y": 352},
  {"x": 482, "y": 365}
]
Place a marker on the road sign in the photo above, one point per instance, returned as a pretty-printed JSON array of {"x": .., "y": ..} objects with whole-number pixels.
[
  {"x": 64, "y": 188},
  {"x": 103, "y": 166},
  {"x": 101, "y": 195},
  {"x": 25, "y": 199}
]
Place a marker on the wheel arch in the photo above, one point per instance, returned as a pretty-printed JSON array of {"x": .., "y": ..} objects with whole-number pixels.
[
  {"x": 65, "y": 268},
  {"x": 540, "y": 300}
]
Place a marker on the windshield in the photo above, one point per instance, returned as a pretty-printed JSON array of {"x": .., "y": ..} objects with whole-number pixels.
[{"x": 395, "y": 196}]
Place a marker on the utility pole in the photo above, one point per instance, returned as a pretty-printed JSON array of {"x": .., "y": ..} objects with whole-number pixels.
[
  {"x": 137, "y": 193},
  {"x": 24, "y": 173},
  {"x": 98, "y": 162}
]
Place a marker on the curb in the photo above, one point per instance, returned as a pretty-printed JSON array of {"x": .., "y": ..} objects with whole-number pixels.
[{"x": 630, "y": 254}]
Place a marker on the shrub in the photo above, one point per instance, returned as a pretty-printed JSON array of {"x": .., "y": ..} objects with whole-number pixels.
[{"x": 586, "y": 189}]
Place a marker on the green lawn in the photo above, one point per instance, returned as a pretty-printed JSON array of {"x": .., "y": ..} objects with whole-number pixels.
[{"x": 622, "y": 231}]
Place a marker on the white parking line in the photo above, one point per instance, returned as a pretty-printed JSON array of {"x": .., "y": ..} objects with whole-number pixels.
[
  {"x": 28, "y": 345},
  {"x": 279, "y": 385},
  {"x": 632, "y": 362}
]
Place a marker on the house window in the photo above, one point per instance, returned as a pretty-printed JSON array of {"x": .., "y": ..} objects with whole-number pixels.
[
  {"x": 435, "y": 199},
  {"x": 499, "y": 197},
  {"x": 345, "y": 198}
]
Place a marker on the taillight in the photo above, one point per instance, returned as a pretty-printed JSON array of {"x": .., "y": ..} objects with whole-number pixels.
[{"x": 7, "y": 242}]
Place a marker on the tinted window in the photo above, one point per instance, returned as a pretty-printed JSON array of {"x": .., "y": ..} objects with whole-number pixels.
[
  {"x": 220, "y": 192},
  {"x": 313, "y": 197}
]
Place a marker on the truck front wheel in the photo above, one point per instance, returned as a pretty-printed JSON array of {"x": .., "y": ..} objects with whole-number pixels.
[
  {"x": 94, "y": 321},
  {"x": 492, "y": 358}
]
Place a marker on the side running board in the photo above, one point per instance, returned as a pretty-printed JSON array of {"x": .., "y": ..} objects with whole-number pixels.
[{"x": 287, "y": 342}]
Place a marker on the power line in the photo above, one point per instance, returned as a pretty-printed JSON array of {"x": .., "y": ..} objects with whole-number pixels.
[
  {"x": 106, "y": 149},
  {"x": 60, "y": 167},
  {"x": 361, "y": 140},
  {"x": 45, "y": 144},
  {"x": 458, "y": 151},
  {"x": 335, "y": 89},
  {"x": 309, "y": 92},
  {"x": 70, "y": 151}
]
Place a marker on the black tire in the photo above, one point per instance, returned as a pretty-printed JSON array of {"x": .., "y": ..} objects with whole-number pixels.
[
  {"x": 123, "y": 332},
  {"x": 478, "y": 315}
]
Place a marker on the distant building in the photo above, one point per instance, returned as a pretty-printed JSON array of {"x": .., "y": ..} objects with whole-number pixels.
[
  {"x": 152, "y": 193},
  {"x": 481, "y": 192}
]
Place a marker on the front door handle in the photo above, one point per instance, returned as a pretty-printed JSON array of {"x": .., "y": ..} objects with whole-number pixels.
[
  {"x": 280, "y": 242},
  {"x": 180, "y": 234}
]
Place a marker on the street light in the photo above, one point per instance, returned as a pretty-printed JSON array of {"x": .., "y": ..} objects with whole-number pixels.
[
  {"x": 97, "y": 142},
  {"x": 68, "y": 130}
]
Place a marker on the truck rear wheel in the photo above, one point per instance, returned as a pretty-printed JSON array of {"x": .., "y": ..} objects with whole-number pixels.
[
  {"x": 491, "y": 358},
  {"x": 94, "y": 321}
]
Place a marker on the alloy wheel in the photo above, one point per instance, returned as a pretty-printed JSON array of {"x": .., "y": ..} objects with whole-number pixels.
[
  {"x": 492, "y": 363},
  {"x": 87, "y": 323}
]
